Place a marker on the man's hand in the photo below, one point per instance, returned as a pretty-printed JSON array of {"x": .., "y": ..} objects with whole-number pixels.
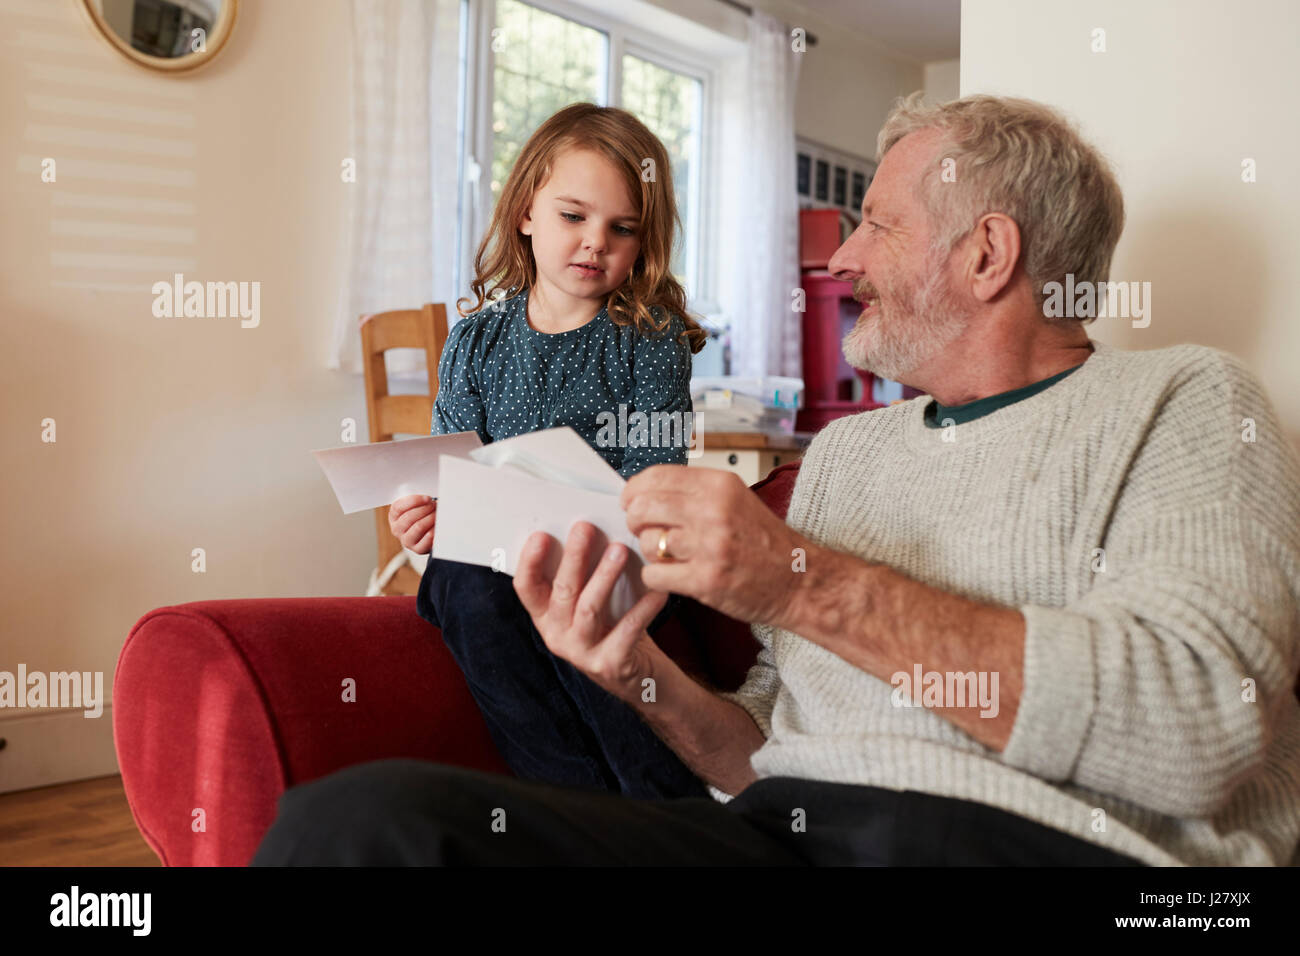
[
  {"x": 713, "y": 736},
  {"x": 725, "y": 547},
  {"x": 570, "y": 611}
]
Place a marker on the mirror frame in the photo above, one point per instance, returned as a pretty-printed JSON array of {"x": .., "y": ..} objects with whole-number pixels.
[{"x": 221, "y": 31}]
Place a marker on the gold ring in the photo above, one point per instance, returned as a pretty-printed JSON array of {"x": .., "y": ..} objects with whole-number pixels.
[{"x": 661, "y": 553}]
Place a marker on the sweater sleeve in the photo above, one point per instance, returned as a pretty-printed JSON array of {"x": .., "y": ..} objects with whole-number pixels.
[
  {"x": 661, "y": 373},
  {"x": 757, "y": 695},
  {"x": 1165, "y": 682},
  {"x": 458, "y": 406}
]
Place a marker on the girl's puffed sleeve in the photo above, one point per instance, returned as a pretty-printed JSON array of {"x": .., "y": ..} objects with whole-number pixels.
[
  {"x": 458, "y": 406},
  {"x": 661, "y": 374}
]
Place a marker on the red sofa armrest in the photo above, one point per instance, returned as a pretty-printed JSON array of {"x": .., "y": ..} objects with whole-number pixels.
[{"x": 219, "y": 706}]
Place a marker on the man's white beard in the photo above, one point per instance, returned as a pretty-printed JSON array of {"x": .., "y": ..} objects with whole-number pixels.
[{"x": 909, "y": 333}]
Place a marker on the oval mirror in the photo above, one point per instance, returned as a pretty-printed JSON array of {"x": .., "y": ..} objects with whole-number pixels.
[{"x": 164, "y": 34}]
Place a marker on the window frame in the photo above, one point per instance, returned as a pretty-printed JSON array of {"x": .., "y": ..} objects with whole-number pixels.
[{"x": 476, "y": 141}]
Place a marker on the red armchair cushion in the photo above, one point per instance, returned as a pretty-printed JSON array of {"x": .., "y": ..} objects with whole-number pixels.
[{"x": 219, "y": 706}]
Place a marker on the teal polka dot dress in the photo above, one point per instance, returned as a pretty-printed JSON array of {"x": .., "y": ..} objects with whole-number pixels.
[{"x": 501, "y": 377}]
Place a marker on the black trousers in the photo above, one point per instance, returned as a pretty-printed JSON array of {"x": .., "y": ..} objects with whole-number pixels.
[
  {"x": 549, "y": 722},
  {"x": 417, "y": 813}
]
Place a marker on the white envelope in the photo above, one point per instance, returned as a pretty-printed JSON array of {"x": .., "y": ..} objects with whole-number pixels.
[
  {"x": 492, "y": 497},
  {"x": 486, "y": 514},
  {"x": 377, "y": 474},
  {"x": 543, "y": 481},
  {"x": 556, "y": 454}
]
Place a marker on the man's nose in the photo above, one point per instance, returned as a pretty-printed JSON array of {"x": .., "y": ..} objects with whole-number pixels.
[{"x": 847, "y": 262}]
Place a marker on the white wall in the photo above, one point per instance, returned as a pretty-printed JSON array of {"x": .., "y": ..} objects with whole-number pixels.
[
  {"x": 942, "y": 80},
  {"x": 1184, "y": 92},
  {"x": 173, "y": 434}
]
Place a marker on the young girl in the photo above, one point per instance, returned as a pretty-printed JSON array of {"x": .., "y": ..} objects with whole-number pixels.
[{"x": 584, "y": 317}]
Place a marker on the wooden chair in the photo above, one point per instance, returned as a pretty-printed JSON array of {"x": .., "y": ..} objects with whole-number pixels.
[{"x": 391, "y": 415}]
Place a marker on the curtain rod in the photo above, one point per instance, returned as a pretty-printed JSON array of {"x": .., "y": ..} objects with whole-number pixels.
[{"x": 749, "y": 12}]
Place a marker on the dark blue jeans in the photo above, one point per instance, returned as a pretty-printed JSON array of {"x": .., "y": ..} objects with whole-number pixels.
[{"x": 550, "y": 723}]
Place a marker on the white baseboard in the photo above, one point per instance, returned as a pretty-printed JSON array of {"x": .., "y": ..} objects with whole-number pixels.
[{"x": 43, "y": 748}]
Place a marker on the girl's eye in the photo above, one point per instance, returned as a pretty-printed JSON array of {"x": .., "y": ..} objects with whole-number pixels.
[{"x": 575, "y": 217}]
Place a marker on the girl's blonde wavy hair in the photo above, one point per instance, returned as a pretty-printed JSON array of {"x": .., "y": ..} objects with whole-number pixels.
[{"x": 505, "y": 256}]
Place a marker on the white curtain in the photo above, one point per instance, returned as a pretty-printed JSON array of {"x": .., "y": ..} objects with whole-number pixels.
[
  {"x": 758, "y": 209},
  {"x": 402, "y": 219}
]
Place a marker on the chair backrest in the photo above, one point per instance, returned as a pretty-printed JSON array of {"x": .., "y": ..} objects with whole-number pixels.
[{"x": 391, "y": 415}]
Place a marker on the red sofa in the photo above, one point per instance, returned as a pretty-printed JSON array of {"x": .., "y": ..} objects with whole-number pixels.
[{"x": 219, "y": 706}]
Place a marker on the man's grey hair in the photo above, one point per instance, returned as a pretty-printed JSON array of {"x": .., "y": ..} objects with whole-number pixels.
[{"x": 1023, "y": 159}]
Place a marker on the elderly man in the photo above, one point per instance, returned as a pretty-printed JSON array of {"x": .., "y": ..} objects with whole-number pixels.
[{"x": 1049, "y": 613}]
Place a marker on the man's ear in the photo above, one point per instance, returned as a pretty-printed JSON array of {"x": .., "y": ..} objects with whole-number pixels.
[{"x": 994, "y": 246}]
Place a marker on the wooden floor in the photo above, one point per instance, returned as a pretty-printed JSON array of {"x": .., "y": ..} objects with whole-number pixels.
[{"x": 87, "y": 823}]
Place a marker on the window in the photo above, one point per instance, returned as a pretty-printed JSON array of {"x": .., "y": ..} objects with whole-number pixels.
[
  {"x": 829, "y": 178},
  {"x": 669, "y": 103},
  {"x": 545, "y": 55},
  {"x": 543, "y": 63}
]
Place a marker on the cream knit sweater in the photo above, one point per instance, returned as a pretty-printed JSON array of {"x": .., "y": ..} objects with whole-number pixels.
[{"x": 1140, "y": 659}]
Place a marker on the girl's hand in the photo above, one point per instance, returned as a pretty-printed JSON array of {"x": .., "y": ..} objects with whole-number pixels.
[
  {"x": 411, "y": 519},
  {"x": 569, "y": 611}
]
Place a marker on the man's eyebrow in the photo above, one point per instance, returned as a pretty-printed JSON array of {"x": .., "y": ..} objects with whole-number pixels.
[
  {"x": 883, "y": 215},
  {"x": 630, "y": 217}
]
